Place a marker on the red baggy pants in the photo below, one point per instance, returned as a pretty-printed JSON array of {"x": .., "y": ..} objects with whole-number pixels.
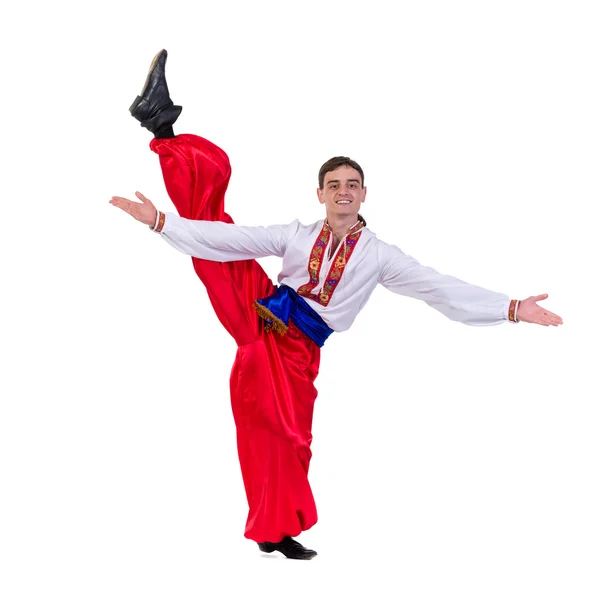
[{"x": 272, "y": 380}]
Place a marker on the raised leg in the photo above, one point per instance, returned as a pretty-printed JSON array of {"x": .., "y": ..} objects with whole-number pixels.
[
  {"x": 272, "y": 391},
  {"x": 196, "y": 174}
]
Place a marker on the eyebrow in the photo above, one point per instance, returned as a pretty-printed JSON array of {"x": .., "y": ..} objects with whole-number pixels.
[{"x": 338, "y": 181}]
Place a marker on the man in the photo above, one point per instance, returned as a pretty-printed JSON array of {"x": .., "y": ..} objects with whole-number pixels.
[{"x": 330, "y": 268}]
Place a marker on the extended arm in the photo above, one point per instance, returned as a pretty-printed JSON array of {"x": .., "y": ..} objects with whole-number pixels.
[
  {"x": 210, "y": 240},
  {"x": 454, "y": 298},
  {"x": 458, "y": 300},
  {"x": 224, "y": 242}
]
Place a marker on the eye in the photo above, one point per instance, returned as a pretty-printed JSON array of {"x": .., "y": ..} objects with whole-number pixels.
[{"x": 353, "y": 185}]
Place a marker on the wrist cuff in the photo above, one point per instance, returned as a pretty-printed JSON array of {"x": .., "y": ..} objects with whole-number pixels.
[
  {"x": 512, "y": 311},
  {"x": 160, "y": 222}
]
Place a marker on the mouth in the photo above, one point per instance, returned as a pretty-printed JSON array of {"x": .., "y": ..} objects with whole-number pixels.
[{"x": 343, "y": 201}]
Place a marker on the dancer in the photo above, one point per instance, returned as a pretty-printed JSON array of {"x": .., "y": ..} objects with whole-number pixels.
[{"x": 330, "y": 269}]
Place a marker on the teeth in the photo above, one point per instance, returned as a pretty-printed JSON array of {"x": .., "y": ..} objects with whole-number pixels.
[{"x": 343, "y": 202}]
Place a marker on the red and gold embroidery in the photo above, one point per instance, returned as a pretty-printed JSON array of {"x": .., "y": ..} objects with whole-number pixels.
[
  {"x": 315, "y": 262},
  {"x": 511, "y": 311},
  {"x": 161, "y": 222}
]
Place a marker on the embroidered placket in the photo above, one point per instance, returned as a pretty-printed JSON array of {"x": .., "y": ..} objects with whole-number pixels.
[{"x": 335, "y": 267}]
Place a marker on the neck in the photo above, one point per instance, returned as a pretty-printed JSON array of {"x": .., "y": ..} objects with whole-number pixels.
[{"x": 340, "y": 225}]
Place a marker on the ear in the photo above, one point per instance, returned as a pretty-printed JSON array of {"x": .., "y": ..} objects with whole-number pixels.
[
  {"x": 364, "y": 194},
  {"x": 320, "y": 195}
]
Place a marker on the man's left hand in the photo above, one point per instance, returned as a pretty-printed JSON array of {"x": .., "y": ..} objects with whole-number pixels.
[{"x": 530, "y": 312}]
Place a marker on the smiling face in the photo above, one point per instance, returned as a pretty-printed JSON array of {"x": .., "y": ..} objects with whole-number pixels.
[{"x": 342, "y": 192}]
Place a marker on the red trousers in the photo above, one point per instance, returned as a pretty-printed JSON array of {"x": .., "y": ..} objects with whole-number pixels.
[{"x": 272, "y": 380}]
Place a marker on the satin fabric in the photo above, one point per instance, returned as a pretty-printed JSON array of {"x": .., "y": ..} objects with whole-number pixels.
[
  {"x": 272, "y": 379},
  {"x": 286, "y": 304}
]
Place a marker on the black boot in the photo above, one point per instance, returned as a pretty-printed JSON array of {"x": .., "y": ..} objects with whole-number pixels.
[
  {"x": 289, "y": 547},
  {"x": 154, "y": 108}
]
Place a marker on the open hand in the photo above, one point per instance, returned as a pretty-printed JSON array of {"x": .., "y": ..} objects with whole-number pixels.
[
  {"x": 144, "y": 212},
  {"x": 530, "y": 312}
]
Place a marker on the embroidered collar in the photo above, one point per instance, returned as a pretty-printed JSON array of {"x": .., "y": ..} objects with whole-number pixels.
[{"x": 356, "y": 227}]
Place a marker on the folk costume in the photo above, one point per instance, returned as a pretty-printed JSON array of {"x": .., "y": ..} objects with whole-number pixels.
[{"x": 280, "y": 329}]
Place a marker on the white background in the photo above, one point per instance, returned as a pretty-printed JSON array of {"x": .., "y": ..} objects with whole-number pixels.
[{"x": 449, "y": 461}]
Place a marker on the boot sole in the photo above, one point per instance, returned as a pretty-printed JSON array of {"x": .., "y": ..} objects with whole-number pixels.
[
  {"x": 288, "y": 557},
  {"x": 152, "y": 67}
]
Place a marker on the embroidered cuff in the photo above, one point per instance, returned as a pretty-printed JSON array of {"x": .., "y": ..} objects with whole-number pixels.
[
  {"x": 160, "y": 222},
  {"x": 512, "y": 311}
]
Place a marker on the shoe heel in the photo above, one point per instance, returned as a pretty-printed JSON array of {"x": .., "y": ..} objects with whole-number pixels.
[{"x": 135, "y": 104}]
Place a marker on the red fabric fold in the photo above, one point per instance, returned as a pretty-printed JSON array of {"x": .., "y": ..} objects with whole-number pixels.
[{"x": 272, "y": 380}]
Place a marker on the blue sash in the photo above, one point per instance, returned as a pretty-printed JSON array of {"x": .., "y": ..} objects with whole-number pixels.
[{"x": 285, "y": 304}]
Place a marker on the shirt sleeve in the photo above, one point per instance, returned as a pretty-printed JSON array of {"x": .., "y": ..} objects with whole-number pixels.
[
  {"x": 226, "y": 242},
  {"x": 454, "y": 298}
]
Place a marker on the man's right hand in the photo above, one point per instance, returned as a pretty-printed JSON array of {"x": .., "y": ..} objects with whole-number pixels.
[{"x": 144, "y": 212}]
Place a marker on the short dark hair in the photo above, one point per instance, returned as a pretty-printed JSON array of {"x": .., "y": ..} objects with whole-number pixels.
[{"x": 335, "y": 163}]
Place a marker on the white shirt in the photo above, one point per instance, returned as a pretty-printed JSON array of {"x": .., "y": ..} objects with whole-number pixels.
[{"x": 370, "y": 262}]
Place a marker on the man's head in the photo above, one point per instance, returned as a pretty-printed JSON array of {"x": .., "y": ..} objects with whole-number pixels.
[{"x": 341, "y": 186}]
